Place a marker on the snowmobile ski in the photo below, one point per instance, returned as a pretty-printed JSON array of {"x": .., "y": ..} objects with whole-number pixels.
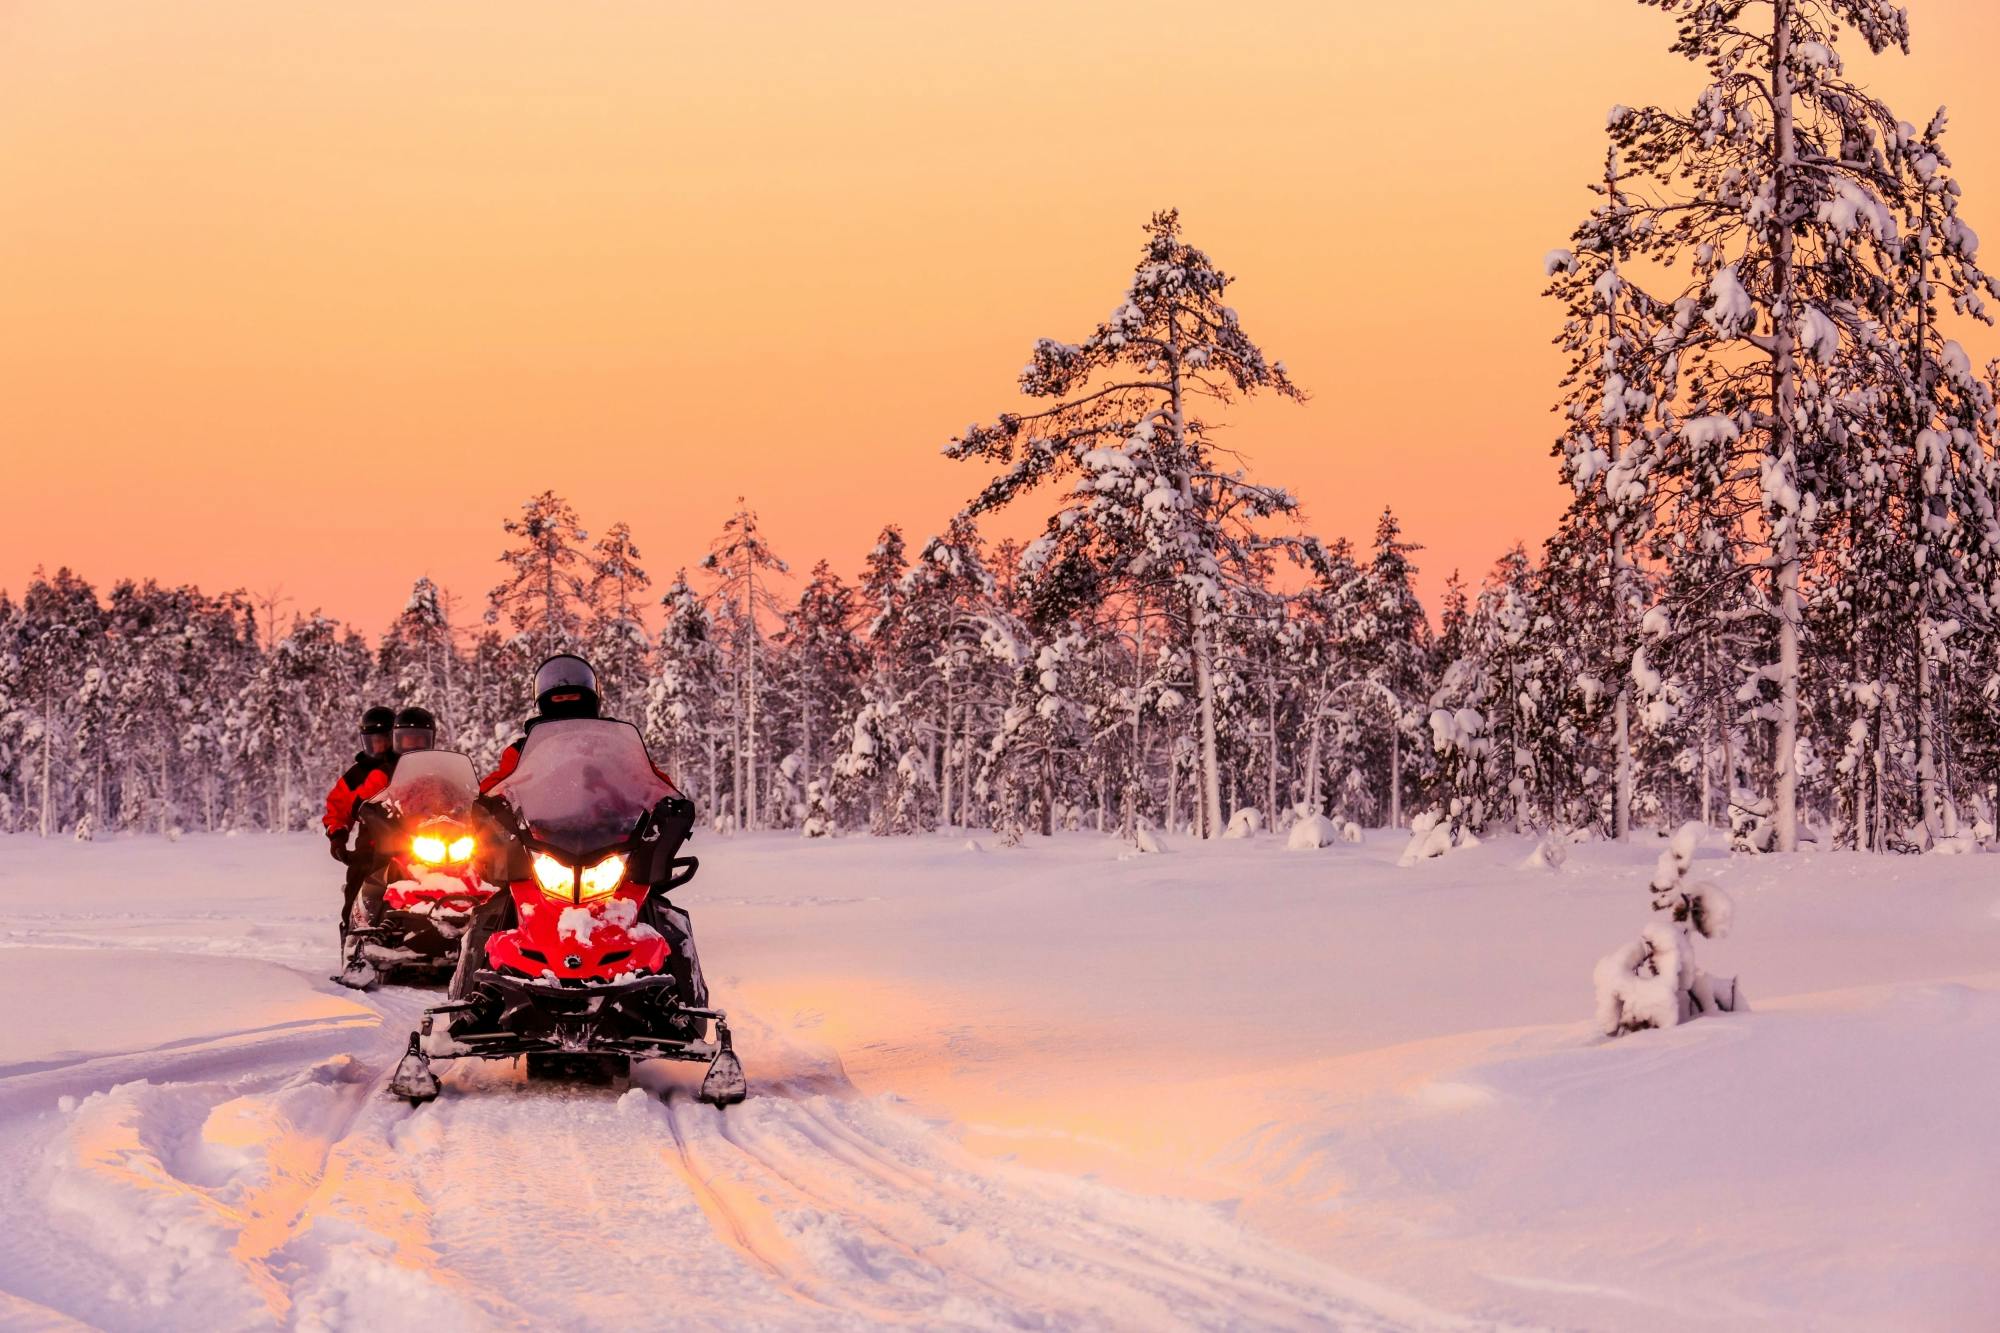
[
  {"x": 724, "y": 1084},
  {"x": 413, "y": 1080}
]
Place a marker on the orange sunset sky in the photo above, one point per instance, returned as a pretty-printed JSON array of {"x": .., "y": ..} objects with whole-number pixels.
[{"x": 313, "y": 294}]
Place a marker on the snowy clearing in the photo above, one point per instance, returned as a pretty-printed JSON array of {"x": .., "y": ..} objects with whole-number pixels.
[{"x": 1231, "y": 1086}]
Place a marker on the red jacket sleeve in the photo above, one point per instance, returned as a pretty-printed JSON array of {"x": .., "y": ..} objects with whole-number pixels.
[
  {"x": 340, "y": 802},
  {"x": 510, "y": 759}
]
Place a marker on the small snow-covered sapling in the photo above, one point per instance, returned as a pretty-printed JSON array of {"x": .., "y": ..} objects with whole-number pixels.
[{"x": 1654, "y": 982}]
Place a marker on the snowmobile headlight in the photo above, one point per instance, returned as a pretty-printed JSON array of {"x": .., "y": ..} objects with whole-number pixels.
[
  {"x": 461, "y": 849},
  {"x": 428, "y": 849},
  {"x": 603, "y": 879},
  {"x": 558, "y": 881}
]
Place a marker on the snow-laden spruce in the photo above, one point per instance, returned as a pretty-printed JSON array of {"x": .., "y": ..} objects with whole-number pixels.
[
  {"x": 1654, "y": 982},
  {"x": 1150, "y": 508},
  {"x": 743, "y": 564},
  {"x": 1816, "y": 440}
]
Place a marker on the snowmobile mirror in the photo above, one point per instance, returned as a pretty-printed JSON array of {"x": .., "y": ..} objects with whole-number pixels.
[{"x": 660, "y": 837}]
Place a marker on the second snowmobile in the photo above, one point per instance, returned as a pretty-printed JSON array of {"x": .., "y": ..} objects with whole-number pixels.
[
  {"x": 580, "y": 959},
  {"x": 420, "y": 839}
]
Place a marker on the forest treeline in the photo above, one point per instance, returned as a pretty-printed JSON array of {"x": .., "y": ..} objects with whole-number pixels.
[{"x": 1770, "y": 605}]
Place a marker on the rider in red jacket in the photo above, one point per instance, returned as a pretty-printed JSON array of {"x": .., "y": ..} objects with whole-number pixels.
[{"x": 366, "y": 777}]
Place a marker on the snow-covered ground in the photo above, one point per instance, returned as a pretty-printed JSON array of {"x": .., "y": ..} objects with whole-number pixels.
[{"x": 1232, "y": 1086}]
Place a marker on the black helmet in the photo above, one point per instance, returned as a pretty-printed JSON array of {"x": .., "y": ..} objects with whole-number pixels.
[
  {"x": 416, "y": 729},
  {"x": 565, "y": 686},
  {"x": 375, "y": 726}
]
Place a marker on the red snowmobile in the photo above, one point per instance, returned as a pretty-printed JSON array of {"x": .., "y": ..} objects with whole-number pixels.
[
  {"x": 580, "y": 963},
  {"x": 423, "y": 887}
]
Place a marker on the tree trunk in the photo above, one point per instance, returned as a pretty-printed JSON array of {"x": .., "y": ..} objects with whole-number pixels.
[
  {"x": 965, "y": 771},
  {"x": 1395, "y": 771},
  {"x": 1204, "y": 684},
  {"x": 1926, "y": 708},
  {"x": 944, "y": 755},
  {"x": 750, "y": 702},
  {"x": 1048, "y": 796},
  {"x": 1315, "y": 730},
  {"x": 48, "y": 771},
  {"x": 1621, "y": 810},
  {"x": 1271, "y": 756},
  {"x": 1784, "y": 431},
  {"x": 1135, "y": 767}
]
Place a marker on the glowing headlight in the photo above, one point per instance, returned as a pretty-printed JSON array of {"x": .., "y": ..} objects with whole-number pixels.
[
  {"x": 603, "y": 879},
  {"x": 558, "y": 881},
  {"x": 461, "y": 849},
  {"x": 429, "y": 850}
]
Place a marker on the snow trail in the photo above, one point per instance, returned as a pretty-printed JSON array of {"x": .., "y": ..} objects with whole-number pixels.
[{"x": 254, "y": 1173}]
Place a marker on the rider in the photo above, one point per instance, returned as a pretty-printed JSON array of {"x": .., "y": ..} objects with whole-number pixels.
[
  {"x": 566, "y": 687},
  {"x": 367, "y": 776}
]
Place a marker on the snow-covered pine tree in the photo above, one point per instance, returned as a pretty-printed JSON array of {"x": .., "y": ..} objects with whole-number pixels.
[
  {"x": 1149, "y": 497},
  {"x": 683, "y": 696},
  {"x": 1655, "y": 982},
  {"x": 1942, "y": 423},
  {"x": 821, "y": 663},
  {"x": 1583, "y": 652},
  {"x": 14, "y": 714},
  {"x": 615, "y": 634},
  {"x": 1025, "y": 764},
  {"x": 546, "y": 589},
  {"x": 300, "y": 711},
  {"x": 60, "y": 636},
  {"x": 418, "y": 664},
  {"x": 1388, "y": 640},
  {"x": 498, "y": 695},
  {"x": 946, "y": 608},
  {"x": 1777, "y": 189},
  {"x": 1610, "y": 435},
  {"x": 743, "y": 566}
]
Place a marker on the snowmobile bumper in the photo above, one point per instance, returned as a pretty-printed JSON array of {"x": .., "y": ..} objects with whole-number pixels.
[
  {"x": 511, "y": 1017},
  {"x": 410, "y": 940}
]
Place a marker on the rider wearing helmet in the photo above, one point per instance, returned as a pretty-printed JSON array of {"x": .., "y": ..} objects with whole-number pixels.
[
  {"x": 415, "y": 729},
  {"x": 565, "y": 686},
  {"x": 368, "y": 775}
]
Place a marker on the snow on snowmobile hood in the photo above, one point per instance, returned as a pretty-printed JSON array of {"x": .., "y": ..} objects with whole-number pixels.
[
  {"x": 429, "y": 783},
  {"x": 583, "y": 783}
]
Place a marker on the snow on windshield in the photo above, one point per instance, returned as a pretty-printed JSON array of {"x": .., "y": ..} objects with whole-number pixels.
[
  {"x": 429, "y": 783},
  {"x": 583, "y": 783}
]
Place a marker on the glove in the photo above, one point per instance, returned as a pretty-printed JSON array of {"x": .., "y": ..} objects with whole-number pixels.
[{"x": 337, "y": 844}]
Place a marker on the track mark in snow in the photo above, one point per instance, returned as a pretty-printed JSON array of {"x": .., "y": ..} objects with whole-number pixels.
[
  {"x": 897, "y": 1221},
  {"x": 749, "y": 1226}
]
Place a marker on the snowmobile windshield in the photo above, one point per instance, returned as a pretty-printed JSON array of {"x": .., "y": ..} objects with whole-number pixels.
[
  {"x": 429, "y": 783},
  {"x": 583, "y": 784}
]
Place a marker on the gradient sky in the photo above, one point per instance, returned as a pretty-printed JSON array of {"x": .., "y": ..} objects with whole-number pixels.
[{"x": 313, "y": 294}]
